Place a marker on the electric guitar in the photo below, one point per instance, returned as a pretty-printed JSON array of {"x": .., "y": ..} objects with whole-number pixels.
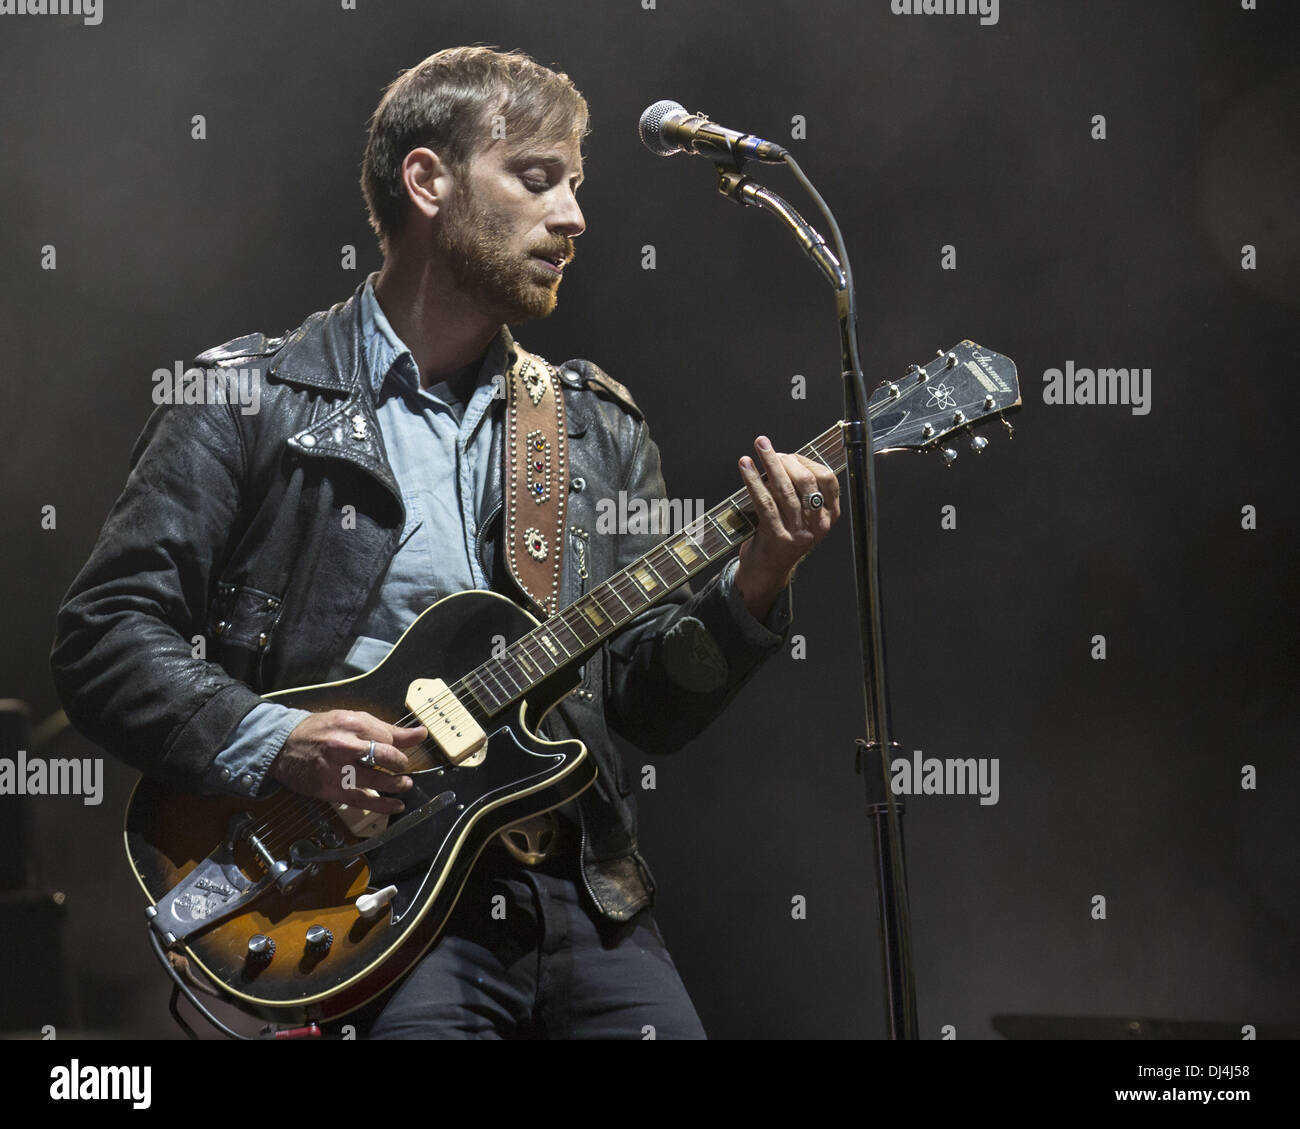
[{"x": 301, "y": 910}]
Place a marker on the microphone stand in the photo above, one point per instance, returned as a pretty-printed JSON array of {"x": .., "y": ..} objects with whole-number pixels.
[{"x": 873, "y": 755}]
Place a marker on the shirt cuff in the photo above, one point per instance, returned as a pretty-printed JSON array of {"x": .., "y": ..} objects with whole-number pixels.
[
  {"x": 240, "y": 769},
  {"x": 767, "y": 634}
]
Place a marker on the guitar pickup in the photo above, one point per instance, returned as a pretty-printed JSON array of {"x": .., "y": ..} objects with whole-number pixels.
[{"x": 452, "y": 727}]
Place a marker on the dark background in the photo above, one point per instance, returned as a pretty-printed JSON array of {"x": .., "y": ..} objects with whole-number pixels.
[{"x": 1118, "y": 777}]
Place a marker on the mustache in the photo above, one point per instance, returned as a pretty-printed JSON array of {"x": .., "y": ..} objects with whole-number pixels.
[{"x": 563, "y": 249}]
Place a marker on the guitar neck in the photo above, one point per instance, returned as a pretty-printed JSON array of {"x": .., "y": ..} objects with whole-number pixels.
[
  {"x": 577, "y": 630},
  {"x": 953, "y": 392}
]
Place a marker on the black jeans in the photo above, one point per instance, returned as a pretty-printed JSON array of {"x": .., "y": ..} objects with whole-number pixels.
[{"x": 526, "y": 955}]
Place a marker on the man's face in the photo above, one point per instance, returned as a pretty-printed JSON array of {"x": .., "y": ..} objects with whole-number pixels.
[{"x": 508, "y": 229}]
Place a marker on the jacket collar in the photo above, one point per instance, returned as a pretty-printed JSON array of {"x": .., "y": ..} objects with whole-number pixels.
[
  {"x": 323, "y": 352},
  {"x": 326, "y": 351}
]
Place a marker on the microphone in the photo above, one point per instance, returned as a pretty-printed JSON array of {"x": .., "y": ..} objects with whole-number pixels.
[{"x": 667, "y": 128}]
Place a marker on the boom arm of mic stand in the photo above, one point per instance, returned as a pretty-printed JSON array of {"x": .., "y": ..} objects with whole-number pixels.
[
  {"x": 735, "y": 186},
  {"x": 883, "y": 809}
]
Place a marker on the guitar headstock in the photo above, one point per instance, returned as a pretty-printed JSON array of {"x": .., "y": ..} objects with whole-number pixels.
[{"x": 956, "y": 392}]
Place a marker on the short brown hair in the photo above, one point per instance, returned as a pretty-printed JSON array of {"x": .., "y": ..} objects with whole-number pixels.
[{"x": 447, "y": 103}]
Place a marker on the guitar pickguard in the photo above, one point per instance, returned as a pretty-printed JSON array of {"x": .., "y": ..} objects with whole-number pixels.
[{"x": 510, "y": 769}]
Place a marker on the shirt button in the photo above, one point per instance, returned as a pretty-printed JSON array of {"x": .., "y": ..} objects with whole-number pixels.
[
  {"x": 225, "y": 774},
  {"x": 578, "y": 484},
  {"x": 247, "y": 781},
  {"x": 308, "y": 440}
]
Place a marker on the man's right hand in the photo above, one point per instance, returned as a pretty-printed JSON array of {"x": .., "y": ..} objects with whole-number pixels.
[{"x": 317, "y": 753}]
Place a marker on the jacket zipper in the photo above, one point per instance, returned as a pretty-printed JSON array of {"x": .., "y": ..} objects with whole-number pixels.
[
  {"x": 580, "y": 544},
  {"x": 478, "y": 536},
  {"x": 582, "y": 853},
  {"x": 580, "y": 539}
]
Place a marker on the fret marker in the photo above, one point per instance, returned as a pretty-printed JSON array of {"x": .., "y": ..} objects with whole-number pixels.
[
  {"x": 545, "y": 641},
  {"x": 685, "y": 553},
  {"x": 645, "y": 579},
  {"x": 733, "y": 522},
  {"x": 589, "y": 610}
]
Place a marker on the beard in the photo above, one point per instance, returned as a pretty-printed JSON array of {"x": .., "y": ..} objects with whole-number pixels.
[{"x": 507, "y": 285}]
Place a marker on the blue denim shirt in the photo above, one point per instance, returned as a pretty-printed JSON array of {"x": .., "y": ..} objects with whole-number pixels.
[{"x": 433, "y": 438}]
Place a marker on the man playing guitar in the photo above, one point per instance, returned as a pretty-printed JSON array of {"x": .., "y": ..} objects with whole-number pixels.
[{"x": 385, "y": 470}]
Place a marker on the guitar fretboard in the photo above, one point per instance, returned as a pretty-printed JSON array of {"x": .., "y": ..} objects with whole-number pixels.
[{"x": 581, "y": 627}]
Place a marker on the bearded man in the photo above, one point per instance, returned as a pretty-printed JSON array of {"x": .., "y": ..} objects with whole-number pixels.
[{"x": 301, "y": 541}]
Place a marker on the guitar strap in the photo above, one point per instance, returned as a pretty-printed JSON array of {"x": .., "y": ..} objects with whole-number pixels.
[{"x": 536, "y": 477}]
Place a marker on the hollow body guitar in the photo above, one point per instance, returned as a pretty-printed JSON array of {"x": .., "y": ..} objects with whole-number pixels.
[{"x": 297, "y": 909}]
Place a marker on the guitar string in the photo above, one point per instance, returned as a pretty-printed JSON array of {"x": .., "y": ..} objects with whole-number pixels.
[{"x": 315, "y": 812}]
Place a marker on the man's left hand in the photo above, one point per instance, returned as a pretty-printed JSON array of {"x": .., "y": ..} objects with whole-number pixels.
[{"x": 789, "y": 528}]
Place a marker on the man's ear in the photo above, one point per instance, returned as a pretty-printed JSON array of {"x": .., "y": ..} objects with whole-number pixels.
[{"x": 428, "y": 182}]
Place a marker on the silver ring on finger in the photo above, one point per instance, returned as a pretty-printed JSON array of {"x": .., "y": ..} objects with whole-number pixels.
[
  {"x": 368, "y": 757},
  {"x": 814, "y": 501}
]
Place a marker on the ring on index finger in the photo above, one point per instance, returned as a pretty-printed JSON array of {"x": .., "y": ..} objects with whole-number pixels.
[{"x": 368, "y": 757}]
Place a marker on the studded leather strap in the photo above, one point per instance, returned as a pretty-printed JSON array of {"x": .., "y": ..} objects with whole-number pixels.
[{"x": 536, "y": 477}]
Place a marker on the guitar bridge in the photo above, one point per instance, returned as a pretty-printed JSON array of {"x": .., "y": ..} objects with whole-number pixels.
[{"x": 217, "y": 888}]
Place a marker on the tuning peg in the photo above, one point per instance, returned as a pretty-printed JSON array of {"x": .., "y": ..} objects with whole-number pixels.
[
  {"x": 949, "y": 456},
  {"x": 951, "y": 361},
  {"x": 978, "y": 443},
  {"x": 1011, "y": 431}
]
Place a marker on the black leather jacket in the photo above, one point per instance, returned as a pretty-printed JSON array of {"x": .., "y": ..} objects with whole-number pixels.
[{"x": 235, "y": 519}]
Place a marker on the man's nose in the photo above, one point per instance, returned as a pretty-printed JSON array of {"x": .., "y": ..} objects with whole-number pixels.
[{"x": 567, "y": 218}]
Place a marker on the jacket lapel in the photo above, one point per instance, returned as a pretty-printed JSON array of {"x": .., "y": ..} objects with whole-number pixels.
[{"x": 325, "y": 353}]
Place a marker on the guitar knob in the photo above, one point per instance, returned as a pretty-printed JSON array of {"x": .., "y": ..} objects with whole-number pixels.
[
  {"x": 261, "y": 948},
  {"x": 319, "y": 939},
  {"x": 978, "y": 443}
]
